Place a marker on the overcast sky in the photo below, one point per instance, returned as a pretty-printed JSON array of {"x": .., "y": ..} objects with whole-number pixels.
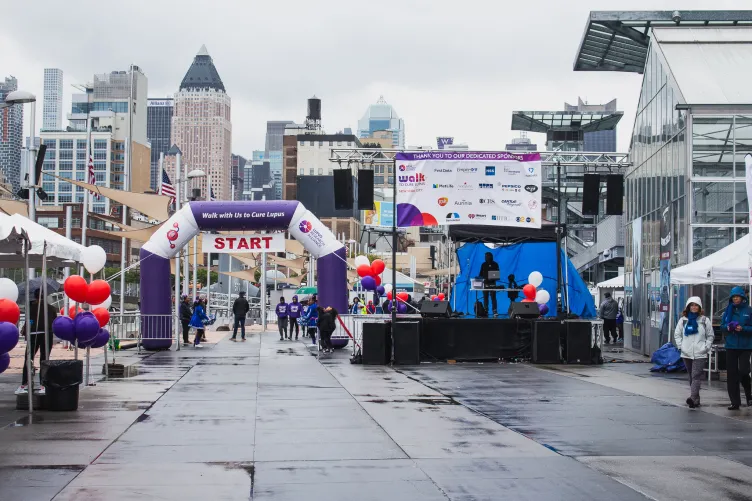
[{"x": 449, "y": 68}]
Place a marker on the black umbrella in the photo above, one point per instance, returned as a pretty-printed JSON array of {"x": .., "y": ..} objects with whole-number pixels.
[{"x": 35, "y": 284}]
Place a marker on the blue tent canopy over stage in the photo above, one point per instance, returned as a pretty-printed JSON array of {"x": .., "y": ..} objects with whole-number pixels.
[{"x": 520, "y": 259}]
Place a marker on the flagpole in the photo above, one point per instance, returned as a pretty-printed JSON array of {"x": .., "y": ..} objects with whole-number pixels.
[
  {"x": 85, "y": 215},
  {"x": 124, "y": 210}
]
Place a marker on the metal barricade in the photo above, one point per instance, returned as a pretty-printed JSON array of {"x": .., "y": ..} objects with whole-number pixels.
[{"x": 129, "y": 326}]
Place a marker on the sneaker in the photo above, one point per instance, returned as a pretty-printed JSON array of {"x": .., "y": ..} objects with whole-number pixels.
[
  {"x": 233, "y": 339},
  {"x": 281, "y": 339},
  {"x": 197, "y": 345},
  {"x": 733, "y": 407},
  {"x": 41, "y": 391},
  {"x": 691, "y": 403},
  {"x": 22, "y": 390}
]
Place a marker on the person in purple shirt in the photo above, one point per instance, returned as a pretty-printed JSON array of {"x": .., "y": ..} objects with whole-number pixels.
[
  {"x": 294, "y": 310},
  {"x": 282, "y": 313}
]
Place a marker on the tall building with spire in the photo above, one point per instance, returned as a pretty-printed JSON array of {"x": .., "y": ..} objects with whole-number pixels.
[
  {"x": 201, "y": 126},
  {"x": 382, "y": 117}
]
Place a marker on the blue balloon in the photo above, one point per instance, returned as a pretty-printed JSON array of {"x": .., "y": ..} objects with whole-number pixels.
[
  {"x": 4, "y": 362},
  {"x": 86, "y": 326},
  {"x": 63, "y": 328},
  {"x": 8, "y": 336}
]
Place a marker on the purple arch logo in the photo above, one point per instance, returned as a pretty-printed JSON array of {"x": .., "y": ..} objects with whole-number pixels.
[{"x": 305, "y": 226}]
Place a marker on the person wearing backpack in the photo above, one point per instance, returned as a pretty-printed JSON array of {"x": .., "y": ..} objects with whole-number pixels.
[{"x": 694, "y": 336}]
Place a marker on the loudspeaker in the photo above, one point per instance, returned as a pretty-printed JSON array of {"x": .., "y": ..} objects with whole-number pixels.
[
  {"x": 578, "y": 342},
  {"x": 591, "y": 193},
  {"x": 434, "y": 309},
  {"x": 38, "y": 166},
  {"x": 343, "y": 189},
  {"x": 365, "y": 189},
  {"x": 525, "y": 310},
  {"x": 614, "y": 194},
  {"x": 407, "y": 343},
  {"x": 546, "y": 345},
  {"x": 377, "y": 344}
]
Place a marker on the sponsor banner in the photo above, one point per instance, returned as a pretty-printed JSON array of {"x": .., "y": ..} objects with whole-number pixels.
[
  {"x": 465, "y": 187},
  {"x": 382, "y": 215},
  {"x": 253, "y": 216},
  {"x": 242, "y": 244}
]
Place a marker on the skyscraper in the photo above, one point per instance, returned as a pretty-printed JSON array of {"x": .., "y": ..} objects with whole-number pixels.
[
  {"x": 237, "y": 173},
  {"x": 201, "y": 125},
  {"x": 52, "y": 110},
  {"x": 275, "y": 131},
  {"x": 382, "y": 117},
  {"x": 11, "y": 136},
  {"x": 159, "y": 132}
]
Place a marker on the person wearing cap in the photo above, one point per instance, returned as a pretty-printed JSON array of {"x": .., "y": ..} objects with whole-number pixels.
[
  {"x": 736, "y": 322},
  {"x": 282, "y": 311},
  {"x": 609, "y": 310},
  {"x": 694, "y": 337},
  {"x": 240, "y": 309},
  {"x": 185, "y": 318},
  {"x": 294, "y": 310}
]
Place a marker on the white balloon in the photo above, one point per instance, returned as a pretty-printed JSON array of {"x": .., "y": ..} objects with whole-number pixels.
[
  {"x": 387, "y": 287},
  {"x": 360, "y": 260},
  {"x": 8, "y": 289},
  {"x": 542, "y": 297},
  {"x": 106, "y": 305},
  {"x": 535, "y": 279},
  {"x": 94, "y": 258}
]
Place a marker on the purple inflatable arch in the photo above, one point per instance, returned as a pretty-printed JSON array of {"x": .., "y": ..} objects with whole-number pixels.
[{"x": 280, "y": 215}]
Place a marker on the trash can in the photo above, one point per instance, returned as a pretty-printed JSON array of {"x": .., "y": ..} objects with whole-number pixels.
[{"x": 61, "y": 379}]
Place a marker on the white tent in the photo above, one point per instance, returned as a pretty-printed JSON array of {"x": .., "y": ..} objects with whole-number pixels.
[
  {"x": 729, "y": 265},
  {"x": 59, "y": 249},
  {"x": 614, "y": 283}
]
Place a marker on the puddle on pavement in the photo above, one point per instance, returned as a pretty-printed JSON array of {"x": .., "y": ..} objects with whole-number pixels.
[{"x": 289, "y": 351}]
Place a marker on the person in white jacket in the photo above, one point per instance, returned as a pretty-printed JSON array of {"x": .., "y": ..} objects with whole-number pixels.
[{"x": 694, "y": 337}]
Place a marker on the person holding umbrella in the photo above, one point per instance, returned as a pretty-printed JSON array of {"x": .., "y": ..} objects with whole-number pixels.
[{"x": 38, "y": 343}]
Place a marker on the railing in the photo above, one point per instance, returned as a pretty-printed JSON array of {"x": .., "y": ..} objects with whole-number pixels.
[{"x": 129, "y": 327}]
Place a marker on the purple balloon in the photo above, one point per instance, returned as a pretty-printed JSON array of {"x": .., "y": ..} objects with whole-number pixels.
[
  {"x": 401, "y": 307},
  {"x": 86, "y": 326},
  {"x": 4, "y": 362},
  {"x": 63, "y": 328},
  {"x": 381, "y": 290},
  {"x": 543, "y": 308},
  {"x": 102, "y": 338},
  {"x": 368, "y": 283},
  {"x": 8, "y": 336}
]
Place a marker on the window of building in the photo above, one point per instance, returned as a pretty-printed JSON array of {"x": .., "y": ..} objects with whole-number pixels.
[
  {"x": 311, "y": 171},
  {"x": 66, "y": 154},
  {"x": 80, "y": 175},
  {"x": 100, "y": 144},
  {"x": 66, "y": 166},
  {"x": 81, "y": 144},
  {"x": 100, "y": 165},
  {"x": 64, "y": 199},
  {"x": 100, "y": 176},
  {"x": 321, "y": 143},
  {"x": 65, "y": 187},
  {"x": 81, "y": 155},
  {"x": 713, "y": 147},
  {"x": 51, "y": 144},
  {"x": 100, "y": 155},
  {"x": 66, "y": 175},
  {"x": 48, "y": 187},
  {"x": 321, "y": 171},
  {"x": 66, "y": 144}
]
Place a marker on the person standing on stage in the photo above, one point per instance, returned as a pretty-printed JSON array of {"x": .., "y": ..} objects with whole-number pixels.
[
  {"x": 609, "y": 310},
  {"x": 282, "y": 312},
  {"x": 489, "y": 265},
  {"x": 737, "y": 322}
]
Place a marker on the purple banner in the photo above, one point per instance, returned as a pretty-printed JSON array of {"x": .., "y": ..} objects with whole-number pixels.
[
  {"x": 250, "y": 216},
  {"x": 468, "y": 155}
]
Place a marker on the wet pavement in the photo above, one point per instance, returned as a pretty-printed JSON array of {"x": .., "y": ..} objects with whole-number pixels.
[{"x": 266, "y": 420}]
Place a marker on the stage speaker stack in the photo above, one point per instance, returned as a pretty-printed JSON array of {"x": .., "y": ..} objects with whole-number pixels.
[
  {"x": 591, "y": 194},
  {"x": 407, "y": 343},
  {"x": 434, "y": 309},
  {"x": 614, "y": 194},
  {"x": 525, "y": 310},
  {"x": 578, "y": 342},
  {"x": 377, "y": 343},
  {"x": 546, "y": 345},
  {"x": 365, "y": 189},
  {"x": 343, "y": 189}
]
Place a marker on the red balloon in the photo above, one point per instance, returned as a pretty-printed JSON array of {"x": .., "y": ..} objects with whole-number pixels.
[
  {"x": 99, "y": 291},
  {"x": 402, "y": 296},
  {"x": 389, "y": 295},
  {"x": 102, "y": 315},
  {"x": 529, "y": 291},
  {"x": 434, "y": 297},
  {"x": 9, "y": 311},
  {"x": 72, "y": 310},
  {"x": 364, "y": 270},
  {"x": 377, "y": 279},
  {"x": 441, "y": 296},
  {"x": 75, "y": 287},
  {"x": 378, "y": 266}
]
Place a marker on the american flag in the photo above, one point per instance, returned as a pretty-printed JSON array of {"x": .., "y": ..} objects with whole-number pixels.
[
  {"x": 165, "y": 187},
  {"x": 92, "y": 177}
]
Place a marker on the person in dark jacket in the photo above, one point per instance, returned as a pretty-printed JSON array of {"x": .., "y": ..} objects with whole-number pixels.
[
  {"x": 609, "y": 310},
  {"x": 327, "y": 325},
  {"x": 185, "y": 318},
  {"x": 282, "y": 313},
  {"x": 488, "y": 283},
  {"x": 38, "y": 342},
  {"x": 736, "y": 322},
  {"x": 294, "y": 311},
  {"x": 240, "y": 309}
]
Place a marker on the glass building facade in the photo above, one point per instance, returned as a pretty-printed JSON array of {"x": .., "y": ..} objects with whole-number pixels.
[{"x": 158, "y": 131}]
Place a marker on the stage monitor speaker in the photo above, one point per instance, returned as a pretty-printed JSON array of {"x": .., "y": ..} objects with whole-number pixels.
[
  {"x": 614, "y": 194},
  {"x": 591, "y": 194},
  {"x": 377, "y": 343},
  {"x": 343, "y": 189},
  {"x": 525, "y": 310},
  {"x": 434, "y": 309},
  {"x": 546, "y": 343},
  {"x": 38, "y": 166},
  {"x": 407, "y": 343},
  {"x": 578, "y": 342},
  {"x": 365, "y": 189}
]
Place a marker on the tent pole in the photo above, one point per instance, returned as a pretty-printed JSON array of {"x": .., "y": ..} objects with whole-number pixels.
[
  {"x": 30, "y": 380},
  {"x": 394, "y": 253},
  {"x": 43, "y": 300},
  {"x": 558, "y": 239}
]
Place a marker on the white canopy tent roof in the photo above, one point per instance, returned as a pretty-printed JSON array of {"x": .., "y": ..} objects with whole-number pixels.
[
  {"x": 614, "y": 283},
  {"x": 729, "y": 265},
  {"x": 60, "y": 250}
]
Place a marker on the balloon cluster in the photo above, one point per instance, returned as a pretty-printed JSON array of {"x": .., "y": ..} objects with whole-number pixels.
[
  {"x": 369, "y": 273},
  {"x": 86, "y": 327},
  {"x": 533, "y": 295},
  {"x": 10, "y": 313}
]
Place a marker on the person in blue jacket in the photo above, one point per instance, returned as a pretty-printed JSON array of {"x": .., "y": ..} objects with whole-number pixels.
[
  {"x": 312, "y": 318},
  {"x": 197, "y": 321},
  {"x": 294, "y": 310},
  {"x": 736, "y": 323},
  {"x": 282, "y": 313}
]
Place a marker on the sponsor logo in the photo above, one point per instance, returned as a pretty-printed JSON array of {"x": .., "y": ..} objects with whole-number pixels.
[
  {"x": 525, "y": 219},
  {"x": 442, "y": 201},
  {"x": 486, "y": 201},
  {"x": 531, "y": 188},
  {"x": 406, "y": 168},
  {"x": 413, "y": 178},
  {"x": 443, "y": 186},
  {"x": 305, "y": 226},
  {"x": 442, "y": 170},
  {"x": 490, "y": 170},
  {"x": 485, "y": 186},
  {"x": 511, "y": 202},
  {"x": 530, "y": 172},
  {"x": 510, "y": 187},
  {"x": 173, "y": 234},
  {"x": 462, "y": 202},
  {"x": 452, "y": 216},
  {"x": 512, "y": 170},
  {"x": 466, "y": 186},
  {"x": 532, "y": 204},
  {"x": 500, "y": 218},
  {"x": 467, "y": 170},
  {"x": 477, "y": 216}
]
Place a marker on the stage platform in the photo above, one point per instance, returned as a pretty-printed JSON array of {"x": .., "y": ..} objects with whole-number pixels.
[{"x": 475, "y": 338}]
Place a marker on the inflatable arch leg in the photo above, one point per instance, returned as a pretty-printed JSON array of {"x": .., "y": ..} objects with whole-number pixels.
[{"x": 280, "y": 215}]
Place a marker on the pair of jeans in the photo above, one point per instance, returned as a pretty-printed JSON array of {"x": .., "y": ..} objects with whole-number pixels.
[
  {"x": 486, "y": 294},
  {"x": 694, "y": 369},
  {"x": 282, "y": 325},
  {"x": 294, "y": 326},
  {"x": 186, "y": 327},
  {"x": 37, "y": 345},
  {"x": 326, "y": 339},
  {"x": 239, "y": 321},
  {"x": 737, "y": 365},
  {"x": 199, "y": 336},
  {"x": 609, "y": 327}
]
